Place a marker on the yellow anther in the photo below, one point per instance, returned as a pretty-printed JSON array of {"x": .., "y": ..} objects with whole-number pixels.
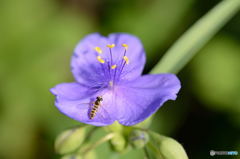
[
  {"x": 98, "y": 49},
  {"x": 113, "y": 66},
  {"x": 111, "y": 45},
  {"x": 125, "y": 58},
  {"x": 100, "y": 59},
  {"x": 125, "y": 46}
]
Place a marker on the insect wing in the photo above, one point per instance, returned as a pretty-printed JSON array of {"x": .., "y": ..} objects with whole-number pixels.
[{"x": 102, "y": 114}]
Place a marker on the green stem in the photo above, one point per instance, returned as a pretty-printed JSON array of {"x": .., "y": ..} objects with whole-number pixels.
[
  {"x": 196, "y": 37},
  {"x": 147, "y": 156},
  {"x": 90, "y": 133},
  {"x": 99, "y": 142}
]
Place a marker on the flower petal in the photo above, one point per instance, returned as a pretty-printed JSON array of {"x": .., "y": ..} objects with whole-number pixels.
[
  {"x": 135, "y": 53},
  {"x": 76, "y": 101},
  {"x": 138, "y": 99},
  {"x": 85, "y": 67},
  {"x": 88, "y": 70}
]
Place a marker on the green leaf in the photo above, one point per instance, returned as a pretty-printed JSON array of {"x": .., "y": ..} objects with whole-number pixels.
[
  {"x": 217, "y": 68},
  {"x": 151, "y": 21},
  {"x": 195, "y": 38}
]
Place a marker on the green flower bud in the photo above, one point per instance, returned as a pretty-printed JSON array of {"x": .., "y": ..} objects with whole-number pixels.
[
  {"x": 118, "y": 142},
  {"x": 171, "y": 149},
  {"x": 138, "y": 138},
  {"x": 168, "y": 147},
  {"x": 146, "y": 123},
  {"x": 69, "y": 140},
  {"x": 115, "y": 127}
]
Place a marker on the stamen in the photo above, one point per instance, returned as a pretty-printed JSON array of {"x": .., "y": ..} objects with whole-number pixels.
[
  {"x": 98, "y": 49},
  {"x": 113, "y": 66},
  {"x": 111, "y": 45},
  {"x": 100, "y": 59},
  {"x": 125, "y": 46},
  {"x": 125, "y": 58}
]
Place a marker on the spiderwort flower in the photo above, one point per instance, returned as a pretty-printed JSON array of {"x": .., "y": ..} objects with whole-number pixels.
[{"x": 109, "y": 68}]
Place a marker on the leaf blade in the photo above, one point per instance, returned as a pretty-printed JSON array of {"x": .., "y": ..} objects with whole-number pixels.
[{"x": 196, "y": 37}]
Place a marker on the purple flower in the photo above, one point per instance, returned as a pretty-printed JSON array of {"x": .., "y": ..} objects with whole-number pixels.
[{"x": 109, "y": 86}]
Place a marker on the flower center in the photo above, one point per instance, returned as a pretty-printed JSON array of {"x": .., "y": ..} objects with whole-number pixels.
[{"x": 111, "y": 66}]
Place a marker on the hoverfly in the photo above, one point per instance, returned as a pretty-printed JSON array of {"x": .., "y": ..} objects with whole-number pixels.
[
  {"x": 94, "y": 108},
  {"x": 96, "y": 105}
]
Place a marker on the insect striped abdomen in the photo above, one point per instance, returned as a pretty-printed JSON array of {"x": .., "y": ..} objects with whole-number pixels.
[{"x": 95, "y": 107}]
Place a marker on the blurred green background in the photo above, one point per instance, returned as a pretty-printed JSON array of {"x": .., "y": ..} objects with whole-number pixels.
[{"x": 36, "y": 42}]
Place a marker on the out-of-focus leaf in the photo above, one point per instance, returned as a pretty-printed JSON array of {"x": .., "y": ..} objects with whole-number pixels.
[
  {"x": 198, "y": 35},
  {"x": 216, "y": 75},
  {"x": 155, "y": 22},
  {"x": 36, "y": 42},
  {"x": 171, "y": 116}
]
